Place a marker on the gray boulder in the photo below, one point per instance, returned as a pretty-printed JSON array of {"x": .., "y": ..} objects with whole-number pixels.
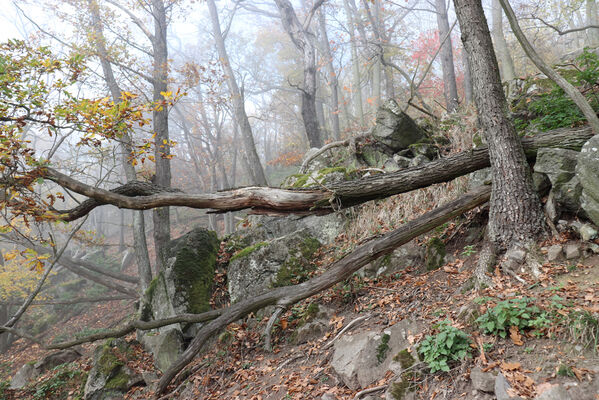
[
  {"x": 30, "y": 371},
  {"x": 483, "y": 381},
  {"x": 362, "y": 358},
  {"x": 109, "y": 377},
  {"x": 270, "y": 264},
  {"x": 23, "y": 376},
  {"x": 560, "y": 167},
  {"x": 587, "y": 172},
  {"x": 396, "y": 129}
]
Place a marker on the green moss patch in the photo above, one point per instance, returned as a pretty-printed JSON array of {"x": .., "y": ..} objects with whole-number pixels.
[
  {"x": 248, "y": 250},
  {"x": 298, "y": 266}
]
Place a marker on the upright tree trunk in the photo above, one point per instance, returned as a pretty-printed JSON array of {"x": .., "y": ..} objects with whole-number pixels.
[
  {"x": 304, "y": 41},
  {"x": 356, "y": 87},
  {"x": 256, "y": 172},
  {"x": 331, "y": 75},
  {"x": 503, "y": 53},
  {"x": 139, "y": 232},
  {"x": 450, "y": 88},
  {"x": 515, "y": 216},
  {"x": 591, "y": 19},
  {"x": 161, "y": 216}
]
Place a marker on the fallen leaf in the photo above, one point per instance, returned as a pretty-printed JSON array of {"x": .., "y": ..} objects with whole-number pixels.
[{"x": 515, "y": 336}]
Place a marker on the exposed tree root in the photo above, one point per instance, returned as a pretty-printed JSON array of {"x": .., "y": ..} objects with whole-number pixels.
[{"x": 338, "y": 271}]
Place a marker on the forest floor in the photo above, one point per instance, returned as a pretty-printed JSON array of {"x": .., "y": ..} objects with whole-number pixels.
[{"x": 235, "y": 366}]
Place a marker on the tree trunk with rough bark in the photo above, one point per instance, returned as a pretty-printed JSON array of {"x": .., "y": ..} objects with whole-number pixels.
[
  {"x": 515, "y": 215},
  {"x": 161, "y": 216},
  {"x": 450, "y": 88}
]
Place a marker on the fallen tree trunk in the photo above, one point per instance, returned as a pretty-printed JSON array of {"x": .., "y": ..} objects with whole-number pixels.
[
  {"x": 266, "y": 200},
  {"x": 338, "y": 271},
  {"x": 68, "y": 302}
]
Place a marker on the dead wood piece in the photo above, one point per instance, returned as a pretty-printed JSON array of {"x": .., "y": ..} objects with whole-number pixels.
[{"x": 343, "y": 194}]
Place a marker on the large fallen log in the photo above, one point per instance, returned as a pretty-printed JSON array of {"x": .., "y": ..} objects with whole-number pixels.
[
  {"x": 337, "y": 195},
  {"x": 340, "y": 270}
]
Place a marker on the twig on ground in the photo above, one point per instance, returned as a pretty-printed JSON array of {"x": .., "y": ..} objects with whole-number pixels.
[
  {"x": 347, "y": 327},
  {"x": 268, "y": 330},
  {"x": 368, "y": 391}
]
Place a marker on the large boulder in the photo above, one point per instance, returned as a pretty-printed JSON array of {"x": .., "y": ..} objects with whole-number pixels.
[
  {"x": 185, "y": 286},
  {"x": 560, "y": 167},
  {"x": 587, "y": 172},
  {"x": 395, "y": 129},
  {"x": 109, "y": 377},
  {"x": 364, "y": 357},
  {"x": 272, "y": 263},
  {"x": 264, "y": 228},
  {"x": 32, "y": 370}
]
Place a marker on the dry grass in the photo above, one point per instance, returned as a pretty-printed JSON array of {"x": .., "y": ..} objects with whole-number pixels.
[{"x": 384, "y": 215}]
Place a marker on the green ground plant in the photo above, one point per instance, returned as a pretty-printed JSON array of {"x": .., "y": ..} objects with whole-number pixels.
[
  {"x": 521, "y": 313},
  {"x": 449, "y": 345}
]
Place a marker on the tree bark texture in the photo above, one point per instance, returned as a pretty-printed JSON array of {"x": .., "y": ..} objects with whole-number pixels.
[
  {"x": 515, "y": 215},
  {"x": 331, "y": 75},
  {"x": 450, "y": 88},
  {"x": 161, "y": 215}
]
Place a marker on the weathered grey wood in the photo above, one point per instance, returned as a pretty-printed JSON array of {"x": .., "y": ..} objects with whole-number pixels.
[{"x": 285, "y": 201}]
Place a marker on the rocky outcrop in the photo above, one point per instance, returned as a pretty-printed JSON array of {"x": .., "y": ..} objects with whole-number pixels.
[
  {"x": 559, "y": 165},
  {"x": 395, "y": 129},
  {"x": 109, "y": 377},
  {"x": 272, "y": 263},
  {"x": 185, "y": 286},
  {"x": 360, "y": 359},
  {"x": 587, "y": 172}
]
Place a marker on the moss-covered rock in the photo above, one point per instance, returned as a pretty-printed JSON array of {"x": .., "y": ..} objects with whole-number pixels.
[
  {"x": 435, "y": 254},
  {"x": 109, "y": 377},
  {"x": 278, "y": 262}
]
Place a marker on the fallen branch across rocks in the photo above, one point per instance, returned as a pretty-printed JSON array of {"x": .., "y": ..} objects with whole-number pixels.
[
  {"x": 285, "y": 296},
  {"x": 265, "y": 200}
]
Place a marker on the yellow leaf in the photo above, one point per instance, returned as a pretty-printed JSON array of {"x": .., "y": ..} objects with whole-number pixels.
[{"x": 9, "y": 256}]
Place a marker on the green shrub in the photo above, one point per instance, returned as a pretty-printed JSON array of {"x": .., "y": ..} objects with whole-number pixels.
[
  {"x": 51, "y": 388},
  {"x": 449, "y": 345},
  {"x": 513, "y": 312}
]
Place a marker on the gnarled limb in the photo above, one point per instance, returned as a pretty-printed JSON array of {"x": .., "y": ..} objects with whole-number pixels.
[
  {"x": 343, "y": 194},
  {"x": 338, "y": 271}
]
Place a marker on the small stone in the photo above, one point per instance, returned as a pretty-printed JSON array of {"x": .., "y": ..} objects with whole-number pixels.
[
  {"x": 572, "y": 251},
  {"x": 328, "y": 396},
  {"x": 517, "y": 255},
  {"x": 391, "y": 166},
  {"x": 587, "y": 232},
  {"x": 594, "y": 248},
  {"x": 555, "y": 392},
  {"x": 401, "y": 161},
  {"x": 419, "y": 160},
  {"x": 483, "y": 381},
  {"x": 555, "y": 252},
  {"x": 501, "y": 387}
]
